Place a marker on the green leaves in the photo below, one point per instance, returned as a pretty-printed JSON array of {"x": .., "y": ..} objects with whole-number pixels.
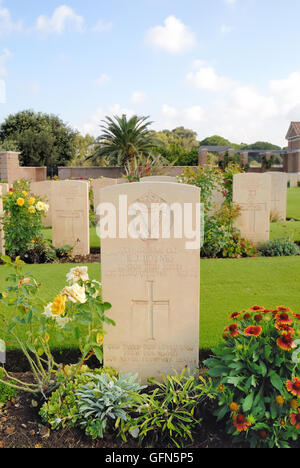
[{"x": 276, "y": 381}]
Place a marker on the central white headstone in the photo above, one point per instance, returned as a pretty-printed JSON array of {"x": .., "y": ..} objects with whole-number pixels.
[{"x": 153, "y": 283}]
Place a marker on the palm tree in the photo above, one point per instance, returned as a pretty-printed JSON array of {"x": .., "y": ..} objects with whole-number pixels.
[{"x": 122, "y": 139}]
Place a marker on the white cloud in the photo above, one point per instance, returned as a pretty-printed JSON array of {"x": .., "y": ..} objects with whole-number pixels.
[
  {"x": 103, "y": 79},
  {"x": 138, "y": 97},
  {"x": 174, "y": 36},
  {"x": 172, "y": 116},
  {"x": 63, "y": 18},
  {"x": 7, "y": 25},
  {"x": 205, "y": 77},
  {"x": 92, "y": 125},
  {"x": 4, "y": 57},
  {"x": 102, "y": 26}
]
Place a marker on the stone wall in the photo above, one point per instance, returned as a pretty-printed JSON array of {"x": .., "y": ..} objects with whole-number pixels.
[
  {"x": 95, "y": 172},
  {"x": 10, "y": 169}
]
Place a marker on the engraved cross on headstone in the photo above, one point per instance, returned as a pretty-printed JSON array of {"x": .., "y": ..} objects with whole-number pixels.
[{"x": 152, "y": 306}]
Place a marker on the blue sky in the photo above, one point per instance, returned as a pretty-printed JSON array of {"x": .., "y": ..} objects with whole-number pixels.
[{"x": 228, "y": 67}]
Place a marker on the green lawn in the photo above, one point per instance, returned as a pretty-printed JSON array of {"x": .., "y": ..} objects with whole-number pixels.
[
  {"x": 293, "y": 203},
  {"x": 226, "y": 286},
  {"x": 94, "y": 239}
]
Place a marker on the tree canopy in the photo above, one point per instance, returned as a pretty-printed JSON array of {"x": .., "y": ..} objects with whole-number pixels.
[{"x": 42, "y": 139}]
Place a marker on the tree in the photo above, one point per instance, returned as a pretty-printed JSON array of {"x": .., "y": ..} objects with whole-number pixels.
[
  {"x": 215, "y": 140},
  {"x": 84, "y": 148},
  {"x": 122, "y": 139},
  {"x": 42, "y": 139}
]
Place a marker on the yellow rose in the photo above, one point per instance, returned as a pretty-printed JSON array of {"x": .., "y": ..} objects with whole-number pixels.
[
  {"x": 31, "y": 209},
  {"x": 59, "y": 305},
  {"x": 31, "y": 201},
  {"x": 20, "y": 201},
  {"x": 25, "y": 193}
]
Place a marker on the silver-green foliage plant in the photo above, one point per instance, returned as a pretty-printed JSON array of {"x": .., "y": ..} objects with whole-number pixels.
[{"x": 105, "y": 402}]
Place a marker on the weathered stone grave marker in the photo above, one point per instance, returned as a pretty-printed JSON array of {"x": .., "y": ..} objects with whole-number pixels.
[
  {"x": 152, "y": 282},
  {"x": 252, "y": 192},
  {"x": 70, "y": 215}
]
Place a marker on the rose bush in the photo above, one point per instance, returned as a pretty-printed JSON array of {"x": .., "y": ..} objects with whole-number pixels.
[{"x": 22, "y": 220}]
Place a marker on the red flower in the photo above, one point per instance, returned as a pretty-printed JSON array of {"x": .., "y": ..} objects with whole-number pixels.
[
  {"x": 283, "y": 318},
  {"x": 284, "y": 328},
  {"x": 297, "y": 316},
  {"x": 258, "y": 318},
  {"x": 235, "y": 315},
  {"x": 293, "y": 386},
  {"x": 253, "y": 331},
  {"x": 241, "y": 423},
  {"x": 233, "y": 329},
  {"x": 286, "y": 342},
  {"x": 295, "y": 419},
  {"x": 247, "y": 317},
  {"x": 257, "y": 308},
  {"x": 283, "y": 309}
]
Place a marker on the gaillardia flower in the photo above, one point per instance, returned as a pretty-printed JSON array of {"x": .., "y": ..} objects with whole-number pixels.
[
  {"x": 283, "y": 318},
  {"x": 233, "y": 330},
  {"x": 234, "y": 407},
  {"x": 235, "y": 315},
  {"x": 241, "y": 423},
  {"x": 286, "y": 342},
  {"x": 284, "y": 328},
  {"x": 253, "y": 331},
  {"x": 280, "y": 400},
  {"x": 295, "y": 419},
  {"x": 257, "y": 308},
  {"x": 293, "y": 386}
]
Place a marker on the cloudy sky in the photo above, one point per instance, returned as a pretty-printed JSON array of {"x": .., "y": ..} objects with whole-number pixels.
[{"x": 227, "y": 67}]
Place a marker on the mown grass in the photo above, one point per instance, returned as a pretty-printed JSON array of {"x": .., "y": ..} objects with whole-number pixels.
[{"x": 226, "y": 286}]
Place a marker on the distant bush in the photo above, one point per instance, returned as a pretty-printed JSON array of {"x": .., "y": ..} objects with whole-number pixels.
[{"x": 279, "y": 248}]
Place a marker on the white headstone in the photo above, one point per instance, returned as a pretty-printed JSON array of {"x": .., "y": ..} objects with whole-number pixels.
[
  {"x": 252, "y": 192},
  {"x": 153, "y": 285},
  {"x": 278, "y": 195},
  {"x": 70, "y": 215}
]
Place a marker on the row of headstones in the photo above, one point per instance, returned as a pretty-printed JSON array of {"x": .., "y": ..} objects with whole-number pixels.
[
  {"x": 258, "y": 195},
  {"x": 153, "y": 285}
]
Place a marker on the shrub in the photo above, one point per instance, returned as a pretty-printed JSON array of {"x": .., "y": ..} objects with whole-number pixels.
[
  {"x": 207, "y": 178},
  {"x": 222, "y": 239},
  {"x": 77, "y": 309},
  {"x": 257, "y": 377},
  {"x": 22, "y": 220},
  {"x": 61, "y": 409},
  {"x": 171, "y": 411},
  {"x": 279, "y": 248},
  {"x": 105, "y": 402}
]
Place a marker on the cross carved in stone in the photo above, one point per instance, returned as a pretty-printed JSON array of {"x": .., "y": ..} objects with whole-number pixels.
[{"x": 152, "y": 307}]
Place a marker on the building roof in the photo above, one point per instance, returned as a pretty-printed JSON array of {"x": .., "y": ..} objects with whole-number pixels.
[
  {"x": 219, "y": 149},
  {"x": 294, "y": 130}
]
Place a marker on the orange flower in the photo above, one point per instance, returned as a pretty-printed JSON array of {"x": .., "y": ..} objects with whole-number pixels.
[
  {"x": 293, "y": 386},
  {"x": 257, "y": 308},
  {"x": 283, "y": 318},
  {"x": 241, "y": 423},
  {"x": 221, "y": 388},
  {"x": 234, "y": 407},
  {"x": 253, "y": 331},
  {"x": 284, "y": 328},
  {"x": 235, "y": 315},
  {"x": 295, "y": 419},
  {"x": 294, "y": 404},
  {"x": 286, "y": 342},
  {"x": 280, "y": 400}
]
